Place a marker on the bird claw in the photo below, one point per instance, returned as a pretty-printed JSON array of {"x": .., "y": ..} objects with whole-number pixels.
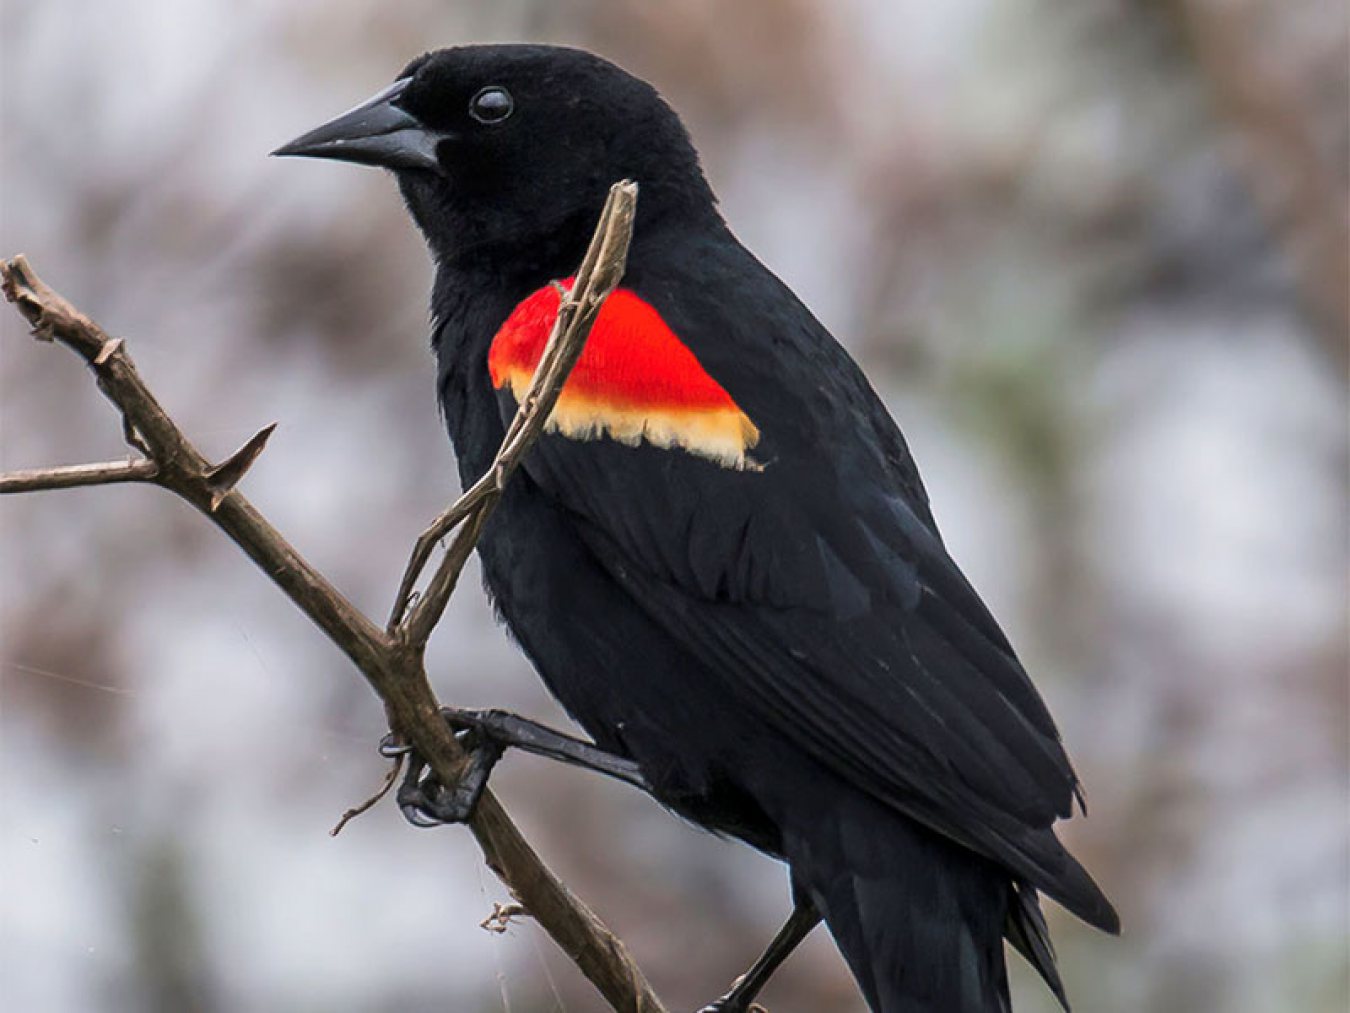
[
  {"x": 418, "y": 814},
  {"x": 391, "y": 747},
  {"x": 483, "y": 723},
  {"x": 425, "y": 802}
]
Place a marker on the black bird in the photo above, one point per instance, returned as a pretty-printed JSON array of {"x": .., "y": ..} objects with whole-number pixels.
[{"x": 721, "y": 558}]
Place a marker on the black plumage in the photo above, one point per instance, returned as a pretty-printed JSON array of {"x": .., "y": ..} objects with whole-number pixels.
[{"x": 787, "y": 650}]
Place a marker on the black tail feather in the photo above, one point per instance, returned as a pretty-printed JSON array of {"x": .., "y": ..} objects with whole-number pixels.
[
  {"x": 919, "y": 919},
  {"x": 1027, "y": 932}
]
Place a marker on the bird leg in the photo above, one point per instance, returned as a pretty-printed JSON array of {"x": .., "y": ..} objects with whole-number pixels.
[
  {"x": 486, "y": 735},
  {"x": 803, "y": 919}
]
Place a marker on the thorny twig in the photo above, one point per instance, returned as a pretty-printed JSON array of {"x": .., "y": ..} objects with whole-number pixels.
[
  {"x": 393, "y": 661},
  {"x": 599, "y": 274},
  {"x": 76, "y": 475}
]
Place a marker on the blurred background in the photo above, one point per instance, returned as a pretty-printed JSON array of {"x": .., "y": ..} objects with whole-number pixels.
[{"x": 1094, "y": 256}]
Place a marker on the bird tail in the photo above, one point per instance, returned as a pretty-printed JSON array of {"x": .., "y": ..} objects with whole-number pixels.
[
  {"x": 1029, "y": 935},
  {"x": 920, "y": 920}
]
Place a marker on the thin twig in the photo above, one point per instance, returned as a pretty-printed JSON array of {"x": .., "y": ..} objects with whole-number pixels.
[
  {"x": 389, "y": 778},
  {"x": 393, "y": 666},
  {"x": 75, "y": 475},
  {"x": 427, "y": 540},
  {"x": 600, "y": 272}
]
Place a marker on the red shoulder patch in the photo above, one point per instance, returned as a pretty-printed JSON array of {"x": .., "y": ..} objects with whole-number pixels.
[{"x": 635, "y": 380}]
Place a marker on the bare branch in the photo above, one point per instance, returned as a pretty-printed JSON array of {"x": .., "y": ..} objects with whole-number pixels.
[
  {"x": 393, "y": 665},
  {"x": 600, "y": 272},
  {"x": 75, "y": 475},
  {"x": 183, "y": 469}
]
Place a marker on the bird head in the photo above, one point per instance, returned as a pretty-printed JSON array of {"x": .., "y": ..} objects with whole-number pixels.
[{"x": 512, "y": 145}]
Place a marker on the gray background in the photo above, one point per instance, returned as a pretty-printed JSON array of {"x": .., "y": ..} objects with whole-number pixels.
[{"x": 1092, "y": 256}]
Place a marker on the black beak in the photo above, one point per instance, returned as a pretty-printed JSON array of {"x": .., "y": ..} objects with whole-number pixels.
[{"x": 376, "y": 132}]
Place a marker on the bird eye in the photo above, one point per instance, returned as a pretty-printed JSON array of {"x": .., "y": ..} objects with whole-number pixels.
[{"x": 491, "y": 105}]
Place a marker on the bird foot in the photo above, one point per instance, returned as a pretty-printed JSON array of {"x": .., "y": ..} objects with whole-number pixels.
[
  {"x": 422, "y": 799},
  {"x": 486, "y": 735}
]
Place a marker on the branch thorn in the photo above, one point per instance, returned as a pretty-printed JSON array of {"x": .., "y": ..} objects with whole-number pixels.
[
  {"x": 226, "y": 475},
  {"x": 108, "y": 350}
]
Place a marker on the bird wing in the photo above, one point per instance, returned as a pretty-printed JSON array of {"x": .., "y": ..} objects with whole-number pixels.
[{"x": 806, "y": 570}]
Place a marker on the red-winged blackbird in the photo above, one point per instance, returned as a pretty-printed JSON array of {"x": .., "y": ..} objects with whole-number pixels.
[{"x": 720, "y": 558}]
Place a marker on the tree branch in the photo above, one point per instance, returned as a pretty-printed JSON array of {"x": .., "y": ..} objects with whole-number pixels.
[
  {"x": 392, "y": 662},
  {"x": 75, "y": 475}
]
